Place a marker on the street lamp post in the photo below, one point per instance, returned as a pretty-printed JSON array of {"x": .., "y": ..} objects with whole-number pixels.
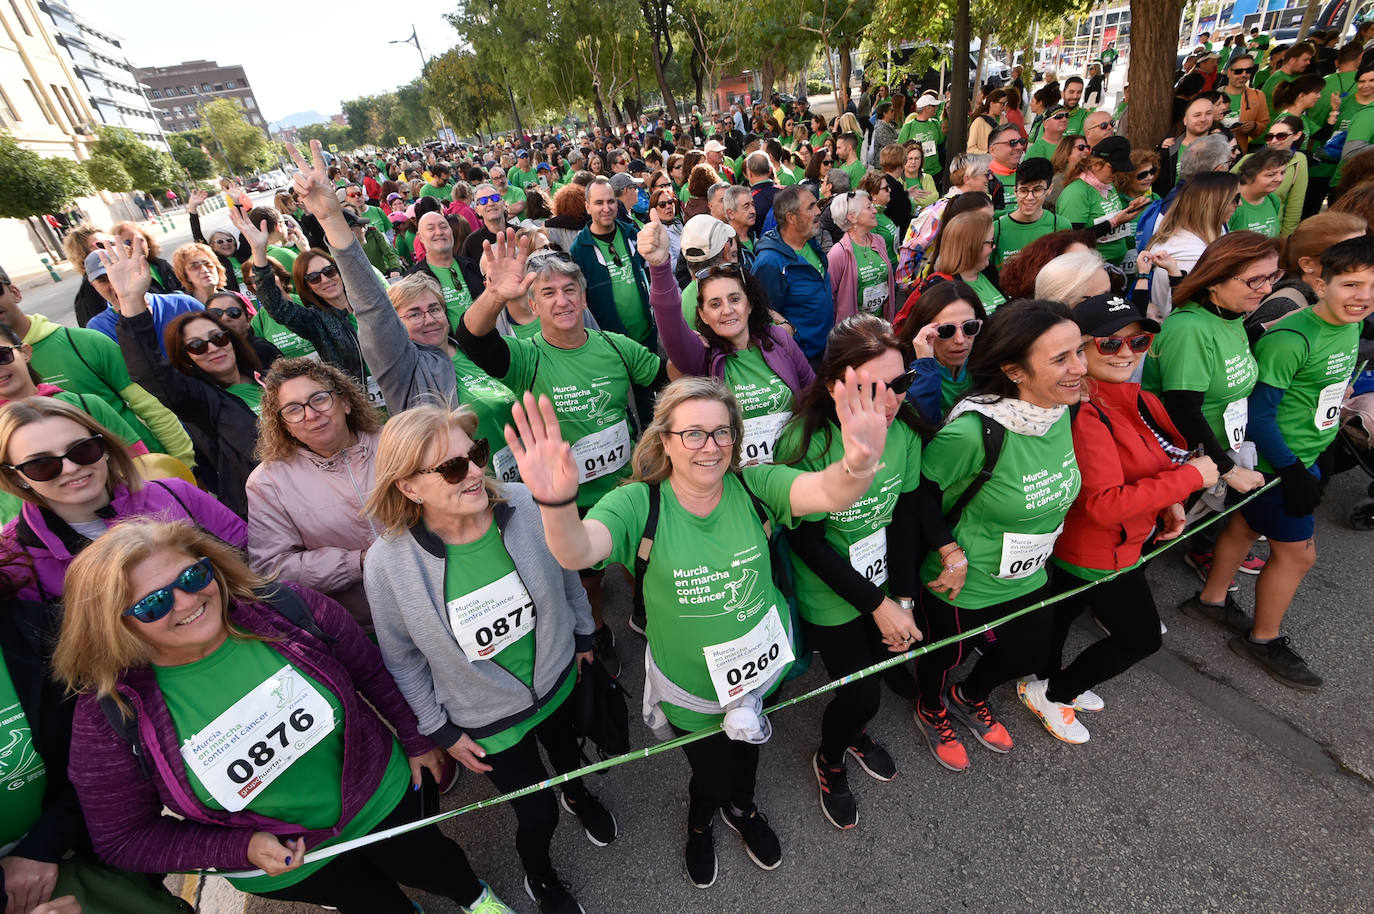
[{"x": 424, "y": 67}]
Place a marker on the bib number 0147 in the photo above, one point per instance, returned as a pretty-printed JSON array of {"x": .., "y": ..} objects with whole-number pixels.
[
  {"x": 241, "y": 770},
  {"x": 597, "y": 464}
]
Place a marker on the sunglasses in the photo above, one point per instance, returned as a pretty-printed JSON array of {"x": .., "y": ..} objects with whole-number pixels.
[
  {"x": 490, "y": 198},
  {"x": 1244, "y": 71},
  {"x": 455, "y": 469},
  {"x": 44, "y": 469},
  {"x": 1082, "y": 147},
  {"x": 1111, "y": 345},
  {"x": 1270, "y": 137},
  {"x": 947, "y": 331},
  {"x": 224, "y": 241},
  {"x": 233, "y": 312},
  {"x": 720, "y": 269},
  {"x": 900, "y": 384},
  {"x": 1147, "y": 174},
  {"x": 219, "y": 339},
  {"x": 202, "y": 265},
  {"x": 7, "y": 354},
  {"x": 1058, "y": 117},
  {"x": 315, "y": 276},
  {"x": 156, "y": 605}
]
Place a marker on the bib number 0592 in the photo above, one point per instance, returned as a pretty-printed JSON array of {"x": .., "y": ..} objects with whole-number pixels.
[
  {"x": 241, "y": 770},
  {"x": 752, "y": 668}
]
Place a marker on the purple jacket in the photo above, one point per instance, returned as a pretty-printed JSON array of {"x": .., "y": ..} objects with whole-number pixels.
[
  {"x": 687, "y": 350},
  {"x": 844, "y": 277},
  {"x": 124, "y": 811},
  {"x": 41, "y": 538}
]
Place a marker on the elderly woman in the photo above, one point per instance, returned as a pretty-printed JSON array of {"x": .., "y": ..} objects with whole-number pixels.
[
  {"x": 198, "y": 269},
  {"x": 860, "y": 271},
  {"x": 482, "y": 630},
  {"x": 229, "y": 247},
  {"x": 260, "y": 715},
  {"x": 702, "y": 516},
  {"x": 77, "y": 480},
  {"x": 317, "y": 455}
]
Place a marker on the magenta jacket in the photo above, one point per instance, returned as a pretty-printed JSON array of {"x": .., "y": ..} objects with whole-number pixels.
[
  {"x": 124, "y": 810},
  {"x": 42, "y": 541},
  {"x": 844, "y": 277},
  {"x": 687, "y": 350}
]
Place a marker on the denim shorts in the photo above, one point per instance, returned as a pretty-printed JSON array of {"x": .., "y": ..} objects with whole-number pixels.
[{"x": 1266, "y": 516}]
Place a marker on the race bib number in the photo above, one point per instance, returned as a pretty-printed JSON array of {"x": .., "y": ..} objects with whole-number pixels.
[
  {"x": 928, "y": 149},
  {"x": 503, "y": 466},
  {"x": 1023, "y": 554},
  {"x": 251, "y": 744},
  {"x": 1234, "y": 419},
  {"x": 603, "y": 452},
  {"x": 760, "y": 437},
  {"x": 1230, "y": 121},
  {"x": 374, "y": 394},
  {"x": 869, "y": 557},
  {"x": 743, "y": 664},
  {"x": 875, "y": 297},
  {"x": 492, "y": 618},
  {"x": 1329, "y": 405}
]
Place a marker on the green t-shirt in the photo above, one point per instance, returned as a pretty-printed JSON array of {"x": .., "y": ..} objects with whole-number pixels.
[
  {"x": 1082, "y": 204},
  {"x": 1263, "y": 217},
  {"x": 856, "y": 171},
  {"x": 887, "y": 230},
  {"x": 249, "y": 392},
  {"x": 1008, "y": 182},
  {"x": 518, "y": 177},
  {"x": 953, "y": 386},
  {"x": 513, "y": 194},
  {"x": 1197, "y": 350},
  {"x": 629, "y": 305},
  {"x": 710, "y": 579},
  {"x": 764, "y": 399},
  {"x": 930, "y": 136},
  {"x": 282, "y": 255},
  {"x": 1358, "y": 122},
  {"x": 481, "y": 575},
  {"x": 1012, "y": 235},
  {"x": 1275, "y": 80},
  {"x": 859, "y": 532},
  {"x": 1008, "y": 529},
  {"x": 378, "y": 219},
  {"x": 1040, "y": 149},
  {"x": 281, "y": 336},
  {"x": 22, "y": 775},
  {"x": 103, "y": 413},
  {"x": 1311, "y": 361},
  {"x": 525, "y": 331},
  {"x": 1076, "y": 118},
  {"x": 1341, "y": 84},
  {"x": 808, "y": 253},
  {"x": 457, "y": 296},
  {"x": 307, "y": 792},
  {"x": 689, "y": 304},
  {"x": 490, "y": 400},
  {"x": 444, "y": 194},
  {"x": 990, "y": 296},
  {"x": 237, "y": 266},
  {"x": 786, "y": 176},
  {"x": 870, "y": 291},
  {"x": 590, "y": 390}
]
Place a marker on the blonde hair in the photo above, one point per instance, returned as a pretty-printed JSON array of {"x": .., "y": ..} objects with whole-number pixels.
[
  {"x": 154, "y": 249},
  {"x": 96, "y": 646},
  {"x": 414, "y": 441},
  {"x": 650, "y": 460},
  {"x": 16, "y": 414},
  {"x": 961, "y": 241},
  {"x": 1062, "y": 277},
  {"x": 182, "y": 255},
  {"x": 79, "y": 243},
  {"x": 275, "y": 441},
  {"x": 404, "y": 291}
]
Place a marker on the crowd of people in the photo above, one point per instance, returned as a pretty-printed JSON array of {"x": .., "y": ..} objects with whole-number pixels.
[{"x": 317, "y": 512}]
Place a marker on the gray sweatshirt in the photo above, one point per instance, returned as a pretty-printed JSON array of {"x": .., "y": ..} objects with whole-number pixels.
[{"x": 450, "y": 694}]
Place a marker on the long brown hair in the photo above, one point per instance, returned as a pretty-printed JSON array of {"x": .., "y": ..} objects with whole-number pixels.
[
  {"x": 1224, "y": 259},
  {"x": 303, "y": 288},
  {"x": 16, "y": 414}
]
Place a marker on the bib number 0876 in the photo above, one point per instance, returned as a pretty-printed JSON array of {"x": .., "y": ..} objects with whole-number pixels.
[
  {"x": 241, "y": 770},
  {"x": 752, "y": 669}
]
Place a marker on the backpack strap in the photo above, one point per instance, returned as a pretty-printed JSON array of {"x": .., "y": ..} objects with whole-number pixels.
[
  {"x": 646, "y": 542},
  {"x": 993, "y": 437},
  {"x": 289, "y": 605},
  {"x": 67, "y": 334},
  {"x": 759, "y": 509},
  {"x": 162, "y": 485},
  {"x": 125, "y": 726}
]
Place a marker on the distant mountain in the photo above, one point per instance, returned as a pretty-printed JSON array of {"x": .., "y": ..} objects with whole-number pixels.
[{"x": 301, "y": 119}]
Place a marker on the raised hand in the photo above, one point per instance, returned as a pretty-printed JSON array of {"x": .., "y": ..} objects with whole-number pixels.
[
  {"x": 312, "y": 184},
  {"x": 256, "y": 237},
  {"x": 127, "y": 270},
  {"x": 859, "y": 404},
  {"x": 652, "y": 241},
  {"x": 923, "y": 343},
  {"x": 544, "y": 458},
  {"x": 197, "y": 197},
  {"x": 503, "y": 264}
]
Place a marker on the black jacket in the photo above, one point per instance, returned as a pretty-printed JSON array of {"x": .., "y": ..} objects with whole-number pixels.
[{"x": 89, "y": 302}]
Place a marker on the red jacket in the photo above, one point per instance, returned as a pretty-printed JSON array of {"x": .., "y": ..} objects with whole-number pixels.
[{"x": 1127, "y": 478}]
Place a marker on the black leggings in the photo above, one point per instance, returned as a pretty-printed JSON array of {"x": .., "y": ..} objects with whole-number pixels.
[
  {"x": 723, "y": 774},
  {"x": 1126, "y": 607},
  {"x": 1018, "y": 648},
  {"x": 536, "y": 815},
  {"x": 365, "y": 881},
  {"x": 848, "y": 648}
]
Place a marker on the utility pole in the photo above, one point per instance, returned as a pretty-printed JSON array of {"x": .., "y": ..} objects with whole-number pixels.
[{"x": 424, "y": 70}]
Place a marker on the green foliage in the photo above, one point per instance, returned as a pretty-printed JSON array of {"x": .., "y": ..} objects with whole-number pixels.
[
  {"x": 379, "y": 119},
  {"x": 462, "y": 92},
  {"x": 187, "y": 151},
  {"x": 244, "y": 146},
  {"x": 327, "y": 134},
  {"x": 108, "y": 173},
  {"x": 31, "y": 185},
  {"x": 147, "y": 168}
]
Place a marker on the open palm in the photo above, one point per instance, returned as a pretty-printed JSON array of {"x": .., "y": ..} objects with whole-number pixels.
[
  {"x": 863, "y": 420},
  {"x": 545, "y": 460}
]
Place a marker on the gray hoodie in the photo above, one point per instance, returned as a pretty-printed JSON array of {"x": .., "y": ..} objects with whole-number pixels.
[{"x": 450, "y": 694}]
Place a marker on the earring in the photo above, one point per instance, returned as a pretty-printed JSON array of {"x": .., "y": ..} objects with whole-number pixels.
[{"x": 419, "y": 500}]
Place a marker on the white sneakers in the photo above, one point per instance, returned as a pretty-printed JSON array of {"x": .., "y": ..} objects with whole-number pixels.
[
  {"x": 1058, "y": 718},
  {"x": 1089, "y": 700}
]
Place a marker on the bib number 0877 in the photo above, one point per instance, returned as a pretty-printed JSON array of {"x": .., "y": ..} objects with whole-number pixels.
[
  {"x": 502, "y": 626},
  {"x": 241, "y": 770},
  {"x": 752, "y": 669}
]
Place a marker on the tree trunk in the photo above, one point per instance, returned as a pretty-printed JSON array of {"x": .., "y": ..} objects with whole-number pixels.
[
  {"x": 982, "y": 56},
  {"x": 698, "y": 68},
  {"x": 767, "y": 71},
  {"x": 600, "y": 106},
  {"x": 958, "y": 102},
  {"x": 1308, "y": 17},
  {"x": 669, "y": 103},
  {"x": 1154, "y": 37},
  {"x": 846, "y": 65}
]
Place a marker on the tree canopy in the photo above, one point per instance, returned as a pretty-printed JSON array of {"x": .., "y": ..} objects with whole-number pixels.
[{"x": 31, "y": 185}]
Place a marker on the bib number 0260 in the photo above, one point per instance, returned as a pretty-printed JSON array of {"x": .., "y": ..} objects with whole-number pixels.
[
  {"x": 241, "y": 770},
  {"x": 753, "y": 668}
]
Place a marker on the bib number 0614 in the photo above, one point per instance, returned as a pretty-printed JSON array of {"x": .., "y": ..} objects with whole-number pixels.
[
  {"x": 261, "y": 753},
  {"x": 752, "y": 669}
]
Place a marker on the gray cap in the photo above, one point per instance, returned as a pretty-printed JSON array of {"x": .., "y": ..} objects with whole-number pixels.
[
  {"x": 95, "y": 267},
  {"x": 622, "y": 182}
]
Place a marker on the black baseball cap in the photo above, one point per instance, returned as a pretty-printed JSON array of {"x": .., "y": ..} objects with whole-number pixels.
[
  {"x": 1103, "y": 315},
  {"x": 1117, "y": 151}
]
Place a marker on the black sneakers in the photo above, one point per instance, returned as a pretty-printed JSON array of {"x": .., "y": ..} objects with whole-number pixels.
[
  {"x": 1228, "y": 615},
  {"x": 596, "y": 819},
  {"x": 760, "y": 841},
  {"x": 701, "y": 856},
  {"x": 872, "y": 758},
  {"x": 1279, "y": 660},
  {"x": 603, "y": 649},
  {"x": 837, "y": 802},
  {"x": 552, "y": 895}
]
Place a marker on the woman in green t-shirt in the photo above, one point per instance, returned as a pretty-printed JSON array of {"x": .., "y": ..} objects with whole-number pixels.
[
  {"x": 482, "y": 630},
  {"x": 940, "y": 329},
  {"x": 846, "y": 563},
  {"x": 718, "y": 627},
  {"x": 1027, "y": 370},
  {"x": 965, "y": 250},
  {"x": 259, "y": 714}
]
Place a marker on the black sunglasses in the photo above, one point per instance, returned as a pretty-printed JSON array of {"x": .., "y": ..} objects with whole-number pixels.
[
  {"x": 1147, "y": 174},
  {"x": 7, "y": 354},
  {"x": 947, "y": 331},
  {"x": 455, "y": 469},
  {"x": 218, "y": 339},
  {"x": 233, "y": 312},
  {"x": 900, "y": 384},
  {"x": 1245, "y": 70},
  {"x": 1111, "y": 345},
  {"x": 83, "y": 453},
  {"x": 316, "y": 275}
]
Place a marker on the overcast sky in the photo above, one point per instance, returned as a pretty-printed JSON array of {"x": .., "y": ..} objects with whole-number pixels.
[{"x": 299, "y": 55}]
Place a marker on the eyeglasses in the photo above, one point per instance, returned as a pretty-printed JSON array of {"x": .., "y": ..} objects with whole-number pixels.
[
  {"x": 1105, "y": 125},
  {"x": 455, "y": 469},
  {"x": 1111, "y": 345},
  {"x": 489, "y": 198},
  {"x": 218, "y": 338},
  {"x": 1030, "y": 190},
  {"x": 1270, "y": 137},
  {"x": 412, "y": 315},
  {"x": 1082, "y": 147},
  {"x": 947, "y": 331},
  {"x": 989, "y": 243},
  {"x": 1147, "y": 174},
  {"x": 315, "y": 276},
  {"x": 233, "y": 312},
  {"x": 202, "y": 265},
  {"x": 156, "y": 605},
  {"x": 1255, "y": 283},
  {"x": 694, "y": 439},
  {"x": 83, "y": 453},
  {"x": 1013, "y": 143},
  {"x": 321, "y": 401},
  {"x": 218, "y": 241},
  {"x": 7, "y": 354}
]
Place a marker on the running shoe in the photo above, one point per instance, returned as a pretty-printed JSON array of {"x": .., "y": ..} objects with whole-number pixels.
[
  {"x": 873, "y": 758},
  {"x": 1228, "y": 615},
  {"x": 596, "y": 819},
  {"x": 603, "y": 648},
  {"x": 1058, "y": 718},
  {"x": 552, "y": 895},
  {"x": 760, "y": 841},
  {"x": 701, "y": 856},
  {"x": 837, "y": 802},
  {"x": 1253, "y": 564},
  {"x": 1279, "y": 660},
  {"x": 977, "y": 716},
  {"x": 1201, "y": 562},
  {"x": 1088, "y": 700},
  {"x": 944, "y": 743},
  {"x": 488, "y": 903}
]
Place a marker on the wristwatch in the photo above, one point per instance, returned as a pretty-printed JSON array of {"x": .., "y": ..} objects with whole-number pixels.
[{"x": 906, "y": 603}]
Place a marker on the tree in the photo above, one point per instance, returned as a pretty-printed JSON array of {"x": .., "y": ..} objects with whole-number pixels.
[
  {"x": 31, "y": 185},
  {"x": 327, "y": 134},
  {"x": 1154, "y": 40},
  {"x": 839, "y": 24},
  {"x": 148, "y": 168},
  {"x": 188, "y": 152},
  {"x": 457, "y": 86},
  {"x": 771, "y": 37},
  {"x": 712, "y": 27},
  {"x": 108, "y": 173},
  {"x": 660, "y": 19},
  {"x": 244, "y": 146}
]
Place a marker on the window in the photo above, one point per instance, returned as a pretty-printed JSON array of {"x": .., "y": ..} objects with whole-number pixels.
[
  {"x": 249, "y": 103},
  {"x": 231, "y": 85},
  {"x": 157, "y": 93},
  {"x": 181, "y": 90},
  {"x": 219, "y": 87},
  {"x": 76, "y": 116},
  {"x": 205, "y": 87},
  {"x": 8, "y": 107},
  {"x": 38, "y": 100},
  {"x": 14, "y": 5},
  {"x": 71, "y": 117}
]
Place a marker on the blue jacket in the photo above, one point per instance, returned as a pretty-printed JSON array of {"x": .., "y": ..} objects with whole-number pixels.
[
  {"x": 600, "y": 297},
  {"x": 796, "y": 290},
  {"x": 163, "y": 308}
]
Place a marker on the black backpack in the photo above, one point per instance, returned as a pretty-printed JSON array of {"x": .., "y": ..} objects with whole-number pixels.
[
  {"x": 601, "y": 712},
  {"x": 993, "y": 436}
]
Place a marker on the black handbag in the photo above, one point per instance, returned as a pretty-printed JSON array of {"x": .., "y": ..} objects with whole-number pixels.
[{"x": 602, "y": 716}]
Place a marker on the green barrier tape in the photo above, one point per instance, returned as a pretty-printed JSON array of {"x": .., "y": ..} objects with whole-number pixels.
[{"x": 896, "y": 659}]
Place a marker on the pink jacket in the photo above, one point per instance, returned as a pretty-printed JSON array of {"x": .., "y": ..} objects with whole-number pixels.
[
  {"x": 844, "y": 276},
  {"x": 306, "y": 521}
]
